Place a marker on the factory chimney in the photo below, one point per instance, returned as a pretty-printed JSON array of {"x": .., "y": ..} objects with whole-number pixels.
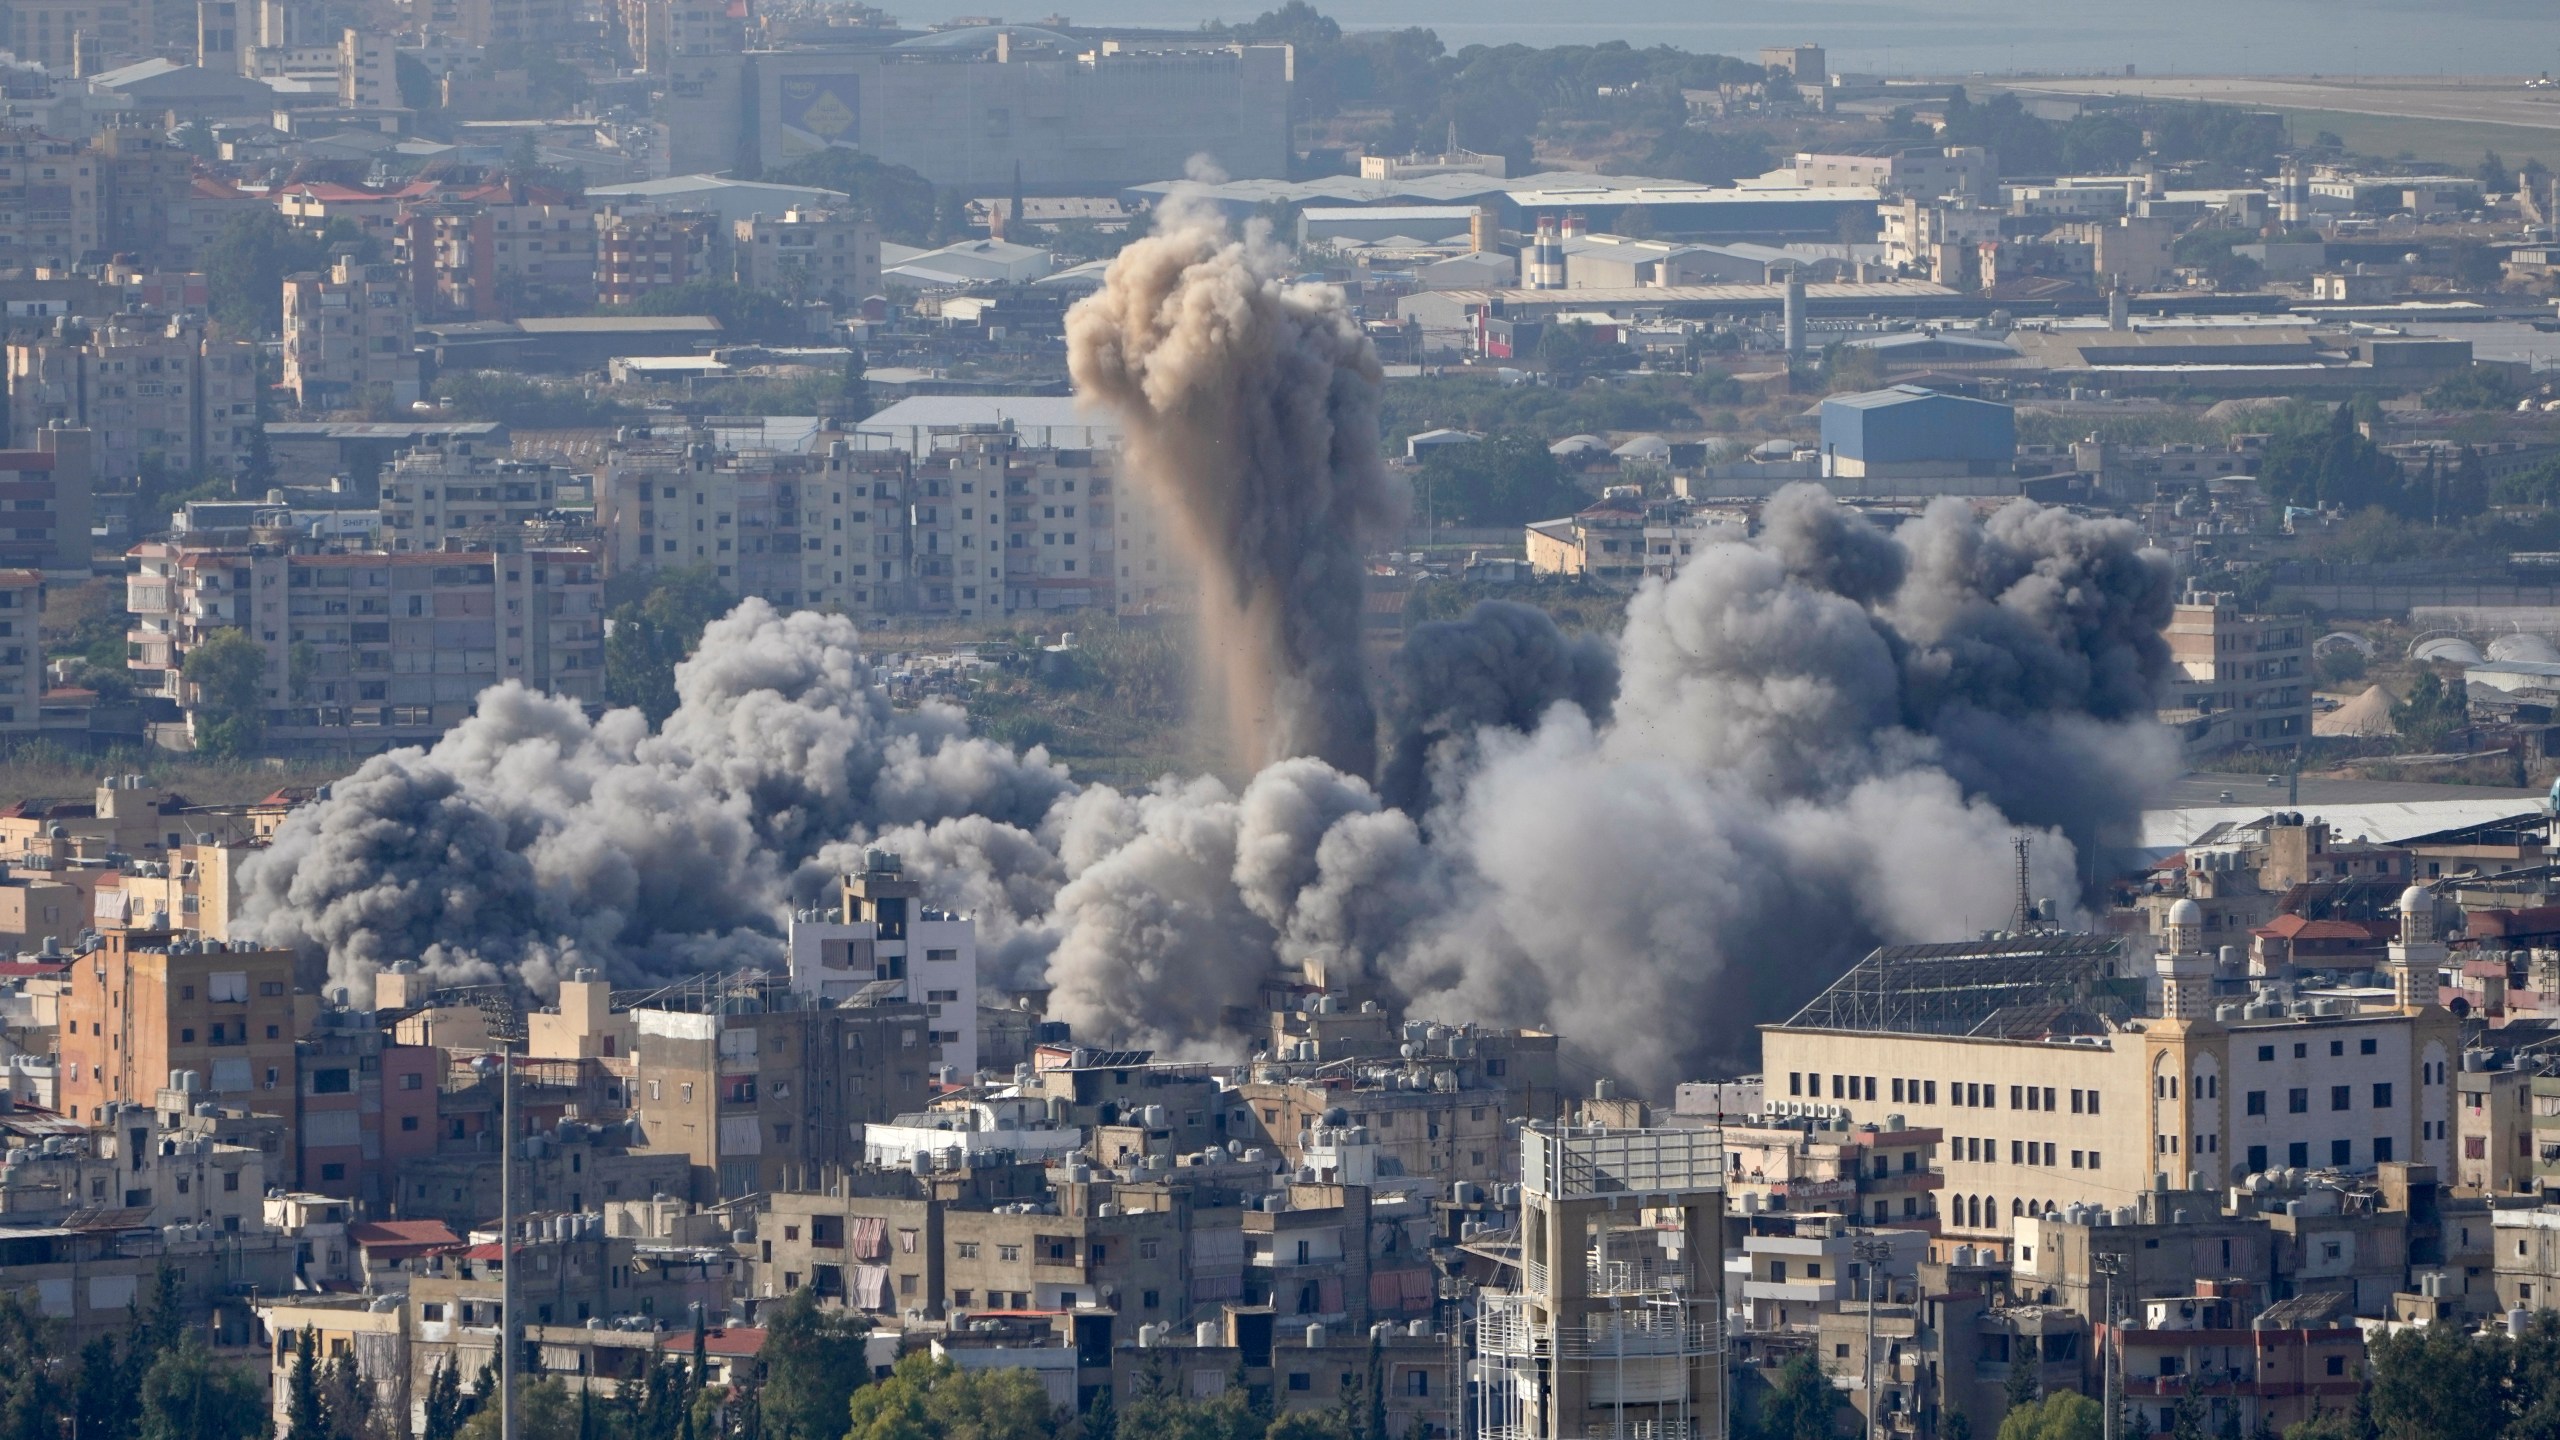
[
  {"x": 1546, "y": 256},
  {"x": 2119, "y": 307},
  {"x": 1791, "y": 311}
]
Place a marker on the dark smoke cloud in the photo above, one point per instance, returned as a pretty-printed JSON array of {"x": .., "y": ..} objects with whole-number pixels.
[
  {"x": 1250, "y": 410},
  {"x": 1502, "y": 666}
]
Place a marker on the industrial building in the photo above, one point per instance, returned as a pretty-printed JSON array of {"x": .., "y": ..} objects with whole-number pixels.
[
  {"x": 2064, "y": 1069},
  {"x": 1908, "y": 432},
  {"x": 984, "y": 107}
]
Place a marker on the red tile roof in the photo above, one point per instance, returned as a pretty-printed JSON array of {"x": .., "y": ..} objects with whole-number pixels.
[
  {"x": 401, "y": 1239},
  {"x": 733, "y": 1340}
]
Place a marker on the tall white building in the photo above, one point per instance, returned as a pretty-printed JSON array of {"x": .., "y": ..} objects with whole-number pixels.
[{"x": 884, "y": 943}]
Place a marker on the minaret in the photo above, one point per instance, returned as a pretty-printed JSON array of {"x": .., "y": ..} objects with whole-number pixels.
[
  {"x": 2417, "y": 957},
  {"x": 2186, "y": 966}
]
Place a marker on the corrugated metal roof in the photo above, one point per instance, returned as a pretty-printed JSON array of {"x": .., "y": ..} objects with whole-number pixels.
[{"x": 2381, "y": 820}]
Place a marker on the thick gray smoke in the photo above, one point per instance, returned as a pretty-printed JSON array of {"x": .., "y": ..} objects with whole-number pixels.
[
  {"x": 1250, "y": 409},
  {"x": 529, "y": 840},
  {"x": 1500, "y": 667},
  {"x": 1814, "y": 742}
]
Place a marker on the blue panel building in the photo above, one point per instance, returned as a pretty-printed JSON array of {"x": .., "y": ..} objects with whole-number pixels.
[{"x": 1909, "y": 431}]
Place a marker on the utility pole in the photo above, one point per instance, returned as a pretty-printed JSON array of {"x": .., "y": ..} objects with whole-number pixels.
[
  {"x": 505, "y": 1023},
  {"x": 1875, "y": 1253},
  {"x": 2108, "y": 1267}
]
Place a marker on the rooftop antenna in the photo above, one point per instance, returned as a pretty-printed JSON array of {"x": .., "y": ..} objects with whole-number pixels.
[{"x": 2026, "y": 897}]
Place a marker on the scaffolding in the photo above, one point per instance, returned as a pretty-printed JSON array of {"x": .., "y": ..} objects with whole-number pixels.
[
  {"x": 1971, "y": 987},
  {"x": 1616, "y": 1327}
]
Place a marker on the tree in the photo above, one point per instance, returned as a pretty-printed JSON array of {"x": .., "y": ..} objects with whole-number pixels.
[
  {"x": 2482, "y": 387},
  {"x": 2062, "y": 1415},
  {"x": 896, "y": 198},
  {"x": 929, "y": 1399},
  {"x": 2496, "y": 176},
  {"x": 745, "y": 314},
  {"x": 2332, "y": 466},
  {"x": 303, "y": 1420},
  {"x": 1502, "y": 480},
  {"x": 1800, "y": 1404},
  {"x": 813, "y": 1360},
  {"x": 189, "y": 1395},
  {"x": 2021, "y": 1389},
  {"x": 2436, "y": 1380},
  {"x": 246, "y": 265},
  {"x": 2431, "y": 713},
  {"x": 1955, "y": 1425},
  {"x": 527, "y": 404},
  {"x": 654, "y": 633},
  {"x": 227, "y": 671},
  {"x": 443, "y": 1403}
]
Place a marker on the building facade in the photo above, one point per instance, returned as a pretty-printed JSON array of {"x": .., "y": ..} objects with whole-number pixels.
[{"x": 348, "y": 335}]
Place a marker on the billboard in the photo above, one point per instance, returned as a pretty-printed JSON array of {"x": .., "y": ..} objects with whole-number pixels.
[{"x": 820, "y": 111}]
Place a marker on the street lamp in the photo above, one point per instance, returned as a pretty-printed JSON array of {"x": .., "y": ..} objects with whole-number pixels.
[{"x": 1875, "y": 1252}]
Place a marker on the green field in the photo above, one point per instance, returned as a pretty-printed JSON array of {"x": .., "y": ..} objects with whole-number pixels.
[{"x": 2455, "y": 143}]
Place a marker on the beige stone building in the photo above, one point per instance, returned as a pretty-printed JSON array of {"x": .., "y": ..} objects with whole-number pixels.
[
  {"x": 831, "y": 255},
  {"x": 348, "y": 335},
  {"x": 148, "y": 387},
  {"x": 2053, "y": 1090},
  {"x": 446, "y": 493},
  {"x": 147, "y": 1004},
  {"x": 824, "y": 529},
  {"x": 2241, "y": 681},
  {"x": 366, "y": 643}
]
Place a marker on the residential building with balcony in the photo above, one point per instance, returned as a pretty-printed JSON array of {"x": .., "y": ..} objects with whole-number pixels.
[
  {"x": 386, "y": 646},
  {"x": 824, "y": 528},
  {"x": 2239, "y": 681},
  {"x": 47, "y": 487},
  {"x": 444, "y": 494},
  {"x": 884, "y": 942},
  {"x": 640, "y": 250},
  {"x": 348, "y": 335},
  {"x": 1875, "y": 1174},
  {"x": 147, "y": 1005},
  {"x": 22, "y": 676},
  {"x": 148, "y": 388},
  {"x": 2259, "y": 1366}
]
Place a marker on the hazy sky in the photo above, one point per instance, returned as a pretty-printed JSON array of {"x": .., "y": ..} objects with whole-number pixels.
[{"x": 2213, "y": 36}]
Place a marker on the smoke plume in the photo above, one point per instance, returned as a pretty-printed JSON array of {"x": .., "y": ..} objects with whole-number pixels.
[
  {"x": 1249, "y": 407},
  {"x": 1798, "y": 747}
]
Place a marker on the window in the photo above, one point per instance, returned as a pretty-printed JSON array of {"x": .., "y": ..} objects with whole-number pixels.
[
  {"x": 413, "y": 1081},
  {"x": 2297, "y": 1102},
  {"x": 2256, "y": 1104},
  {"x": 2337, "y": 1364},
  {"x": 2301, "y": 1052},
  {"x": 2342, "y": 1097},
  {"x": 2382, "y": 1095},
  {"x": 1301, "y": 1380},
  {"x": 2298, "y": 1154},
  {"x": 331, "y": 1082},
  {"x": 2337, "y": 1047},
  {"x": 2381, "y": 1149},
  {"x": 2266, "y": 1052},
  {"x": 2366, "y": 1046},
  {"x": 2257, "y": 1157}
]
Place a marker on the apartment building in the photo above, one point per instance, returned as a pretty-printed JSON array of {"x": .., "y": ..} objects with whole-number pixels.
[
  {"x": 148, "y": 1004},
  {"x": 2078, "y": 1098},
  {"x": 1926, "y": 171},
  {"x": 1933, "y": 240},
  {"x": 2240, "y": 680},
  {"x": 764, "y": 1089},
  {"x": 638, "y": 251},
  {"x": 348, "y": 335},
  {"x": 1005, "y": 530},
  {"x": 2253, "y": 1366},
  {"x": 145, "y": 191},
  {"x": 1879, "y": 1175},
  {"x": 510, "y": 25},
  {"x": 810, "y": 254},
  {"x": 825, "y": 528},
  {"x": 391, "y": 646},
  {"x": 48, "y": 485},
  {"x": 148, "y": 388},
  {"x": 48, "y": 187},
  {"x": 485, "y": 257},
  {"x": 451, "y": 492},
  {"x": 21, "y": 649},
  {"x": 883, "y": 935},
  {"x": 75, "y": 37}
]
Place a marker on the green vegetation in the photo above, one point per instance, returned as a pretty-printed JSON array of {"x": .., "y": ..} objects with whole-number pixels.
[
  {"x": 153, "y": 1382},
  {"x": 929, "y": 1399},
  {"x": 1498, "y": 97},
  {"x": 2212, "y": 252},
  {"x": 898, "y": 199},
  {"x": 2432, "y": 711},
  {"x": 844, "y": 395},
  {"x": 1469, "y": 402},
  {"x": 2105, "y": 141},
  {"x": 2166, "y": 427},
  {"x": 2482, "y": 387},
  {"x": 1116, "y": 708},
  {"x": 2334, "y": 465},
  {"x": 516, "y": 401},
  {"x": 1798, "y": 1404},
  {"x": 2454, "y": 143},
  {"x": 245, "y": 267},
  {"x": 654, "y": 630},
  {"x": 1501, "y": 480},
  {"x": 2062, "y": 1415},
  {"x": 227, "y": 671}
]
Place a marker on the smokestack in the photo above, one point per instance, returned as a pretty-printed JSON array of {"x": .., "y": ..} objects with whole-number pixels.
[
  {"x": 1546, "y": 256},
  {"x": 1791, "y": 311},
  {"x": 1576, "y": 224},
  {"x": 2119, "y": 307},
  {"x": 1484, "y": 231}
]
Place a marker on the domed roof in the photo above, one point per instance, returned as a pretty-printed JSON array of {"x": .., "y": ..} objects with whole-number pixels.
[
  {"x": 2417, "y": 900},
  {"x": 962, "y": 38},
  {"x": 2186, "y": 912}
]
